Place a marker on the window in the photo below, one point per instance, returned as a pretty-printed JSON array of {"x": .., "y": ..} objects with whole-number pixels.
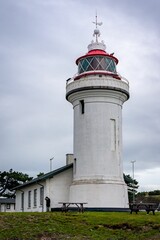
[
  {"x": 8, "y": 206},
  {"x": 113, "y": 134},
  {"x": 22, "y": 201},
  {"x": 82, "y": 106},
  {"x": 29, "y": 199},
  {"x": 110, "y": 65},
  {"x": 41, "y": 195},
  {"x": 35, "y": 198},
  {"x": 96, "y": 63},
  {"x": 74, "y": 165}
]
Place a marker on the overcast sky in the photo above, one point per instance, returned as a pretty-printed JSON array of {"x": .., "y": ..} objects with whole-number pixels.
[{"x": 39, "y": 43}]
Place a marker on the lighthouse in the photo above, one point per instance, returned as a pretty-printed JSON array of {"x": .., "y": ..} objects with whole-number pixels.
[{"x": 97, "y": 93}]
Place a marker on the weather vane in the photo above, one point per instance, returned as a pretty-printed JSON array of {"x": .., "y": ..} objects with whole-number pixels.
[{"x": 96, "y": 31}]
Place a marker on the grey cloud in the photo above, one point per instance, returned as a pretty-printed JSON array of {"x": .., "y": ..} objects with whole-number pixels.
[{"x": 40, "y": 41}]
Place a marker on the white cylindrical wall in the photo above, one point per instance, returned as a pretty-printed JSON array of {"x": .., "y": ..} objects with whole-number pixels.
[
  {"x": 98, "y": 171},
  {"x": 97, "y": 195},
  {"x": 97, "y": 138}
]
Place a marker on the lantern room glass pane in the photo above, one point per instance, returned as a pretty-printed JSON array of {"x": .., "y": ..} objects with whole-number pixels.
[
  {"x": 111, "y": 67},
  {"x": 96, "y": 63},
  {"x": 102, "y": 64},
  {"x": 85, "y": 65}
]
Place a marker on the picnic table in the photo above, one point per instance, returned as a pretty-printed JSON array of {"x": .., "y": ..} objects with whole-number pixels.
[
  {"x": 148, "y": 207},
  {"x": 73, "y": 206}
]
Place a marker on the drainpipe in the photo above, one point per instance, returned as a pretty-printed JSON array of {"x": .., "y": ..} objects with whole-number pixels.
[{"x": 43, "y": 195}]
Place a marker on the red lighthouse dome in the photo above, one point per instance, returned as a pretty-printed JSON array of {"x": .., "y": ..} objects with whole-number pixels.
[{"x": 97, "y": 60}]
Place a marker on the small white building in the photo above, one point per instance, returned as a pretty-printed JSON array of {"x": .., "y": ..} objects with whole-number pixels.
[
  {"x": 7, "y": 204},
  {"x": 30, "y": 196}
]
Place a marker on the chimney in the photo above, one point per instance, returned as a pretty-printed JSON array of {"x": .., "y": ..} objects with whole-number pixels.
[{"x": 69, "y": 158}]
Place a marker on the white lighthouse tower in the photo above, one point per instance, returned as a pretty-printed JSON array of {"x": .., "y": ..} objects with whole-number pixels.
[{"x": 97, "y": 94}]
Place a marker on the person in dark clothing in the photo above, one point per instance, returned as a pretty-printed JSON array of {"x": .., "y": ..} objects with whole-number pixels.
[{"x": 48, "y": 203}]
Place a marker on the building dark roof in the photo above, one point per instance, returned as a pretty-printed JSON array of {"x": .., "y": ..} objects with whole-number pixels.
[
  {"x": 45, "y": 176},
  {"x": 7, "y": 200}
]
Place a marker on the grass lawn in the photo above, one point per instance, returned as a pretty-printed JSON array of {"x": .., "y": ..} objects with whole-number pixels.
[{"x": 77, "y": 226}]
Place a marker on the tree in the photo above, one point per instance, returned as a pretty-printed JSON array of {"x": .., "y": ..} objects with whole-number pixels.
[
  {"x": 10, "y": 180},
  {"x": 132, "y": 185},
  {"x": 153, "y": 193},
  {"x": 40, "y": 174}
]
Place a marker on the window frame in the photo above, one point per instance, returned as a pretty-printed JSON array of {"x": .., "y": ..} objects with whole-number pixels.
[
  {"x": 35, "y": 197},
  {"x": 29, "y": 199},
  {"x": 95, "y": 63},
  {"x": 82, "y": 106},
  {"x": 41, "y": 196}
]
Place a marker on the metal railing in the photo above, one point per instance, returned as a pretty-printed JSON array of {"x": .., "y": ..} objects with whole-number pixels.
[{"x": 69, "y": 80}]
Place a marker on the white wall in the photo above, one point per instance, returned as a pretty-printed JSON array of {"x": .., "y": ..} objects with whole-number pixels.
[
  {"x": 59, "y": 187},
  {"x": 56, "y": 188},
  {"x": 25, "y": 190},
  {"x": 98, "y": 169}
]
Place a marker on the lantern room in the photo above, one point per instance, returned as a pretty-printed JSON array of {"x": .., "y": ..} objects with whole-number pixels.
[{"x": 97, "y": 60}]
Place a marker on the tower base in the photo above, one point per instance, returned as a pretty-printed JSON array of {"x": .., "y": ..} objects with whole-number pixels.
[{"x": 100, "y": 196}]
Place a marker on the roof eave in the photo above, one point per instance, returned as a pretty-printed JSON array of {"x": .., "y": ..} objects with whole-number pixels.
[{"x": 44, "y": 177}]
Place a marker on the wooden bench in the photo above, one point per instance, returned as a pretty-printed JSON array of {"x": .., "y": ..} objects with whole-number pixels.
[
  {"x": 66, "y": 206},
  {"x": 148, "y": 207}
]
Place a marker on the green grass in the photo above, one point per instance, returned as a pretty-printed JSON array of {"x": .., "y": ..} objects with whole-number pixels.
[{"x": 86, "y": 226}]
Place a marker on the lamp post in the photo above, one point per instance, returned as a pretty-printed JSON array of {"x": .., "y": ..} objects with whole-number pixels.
[
  {"x": 133, "y": 179},
  {"x": 51, "y": 163}
]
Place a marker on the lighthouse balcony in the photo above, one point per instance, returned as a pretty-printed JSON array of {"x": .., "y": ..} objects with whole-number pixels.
[{"x": 91, "y": 82}]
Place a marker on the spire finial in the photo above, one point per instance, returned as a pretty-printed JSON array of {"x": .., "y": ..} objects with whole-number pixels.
[
  {"x": 96, "y": 44},
  {"x": 96, "y": 31}
]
